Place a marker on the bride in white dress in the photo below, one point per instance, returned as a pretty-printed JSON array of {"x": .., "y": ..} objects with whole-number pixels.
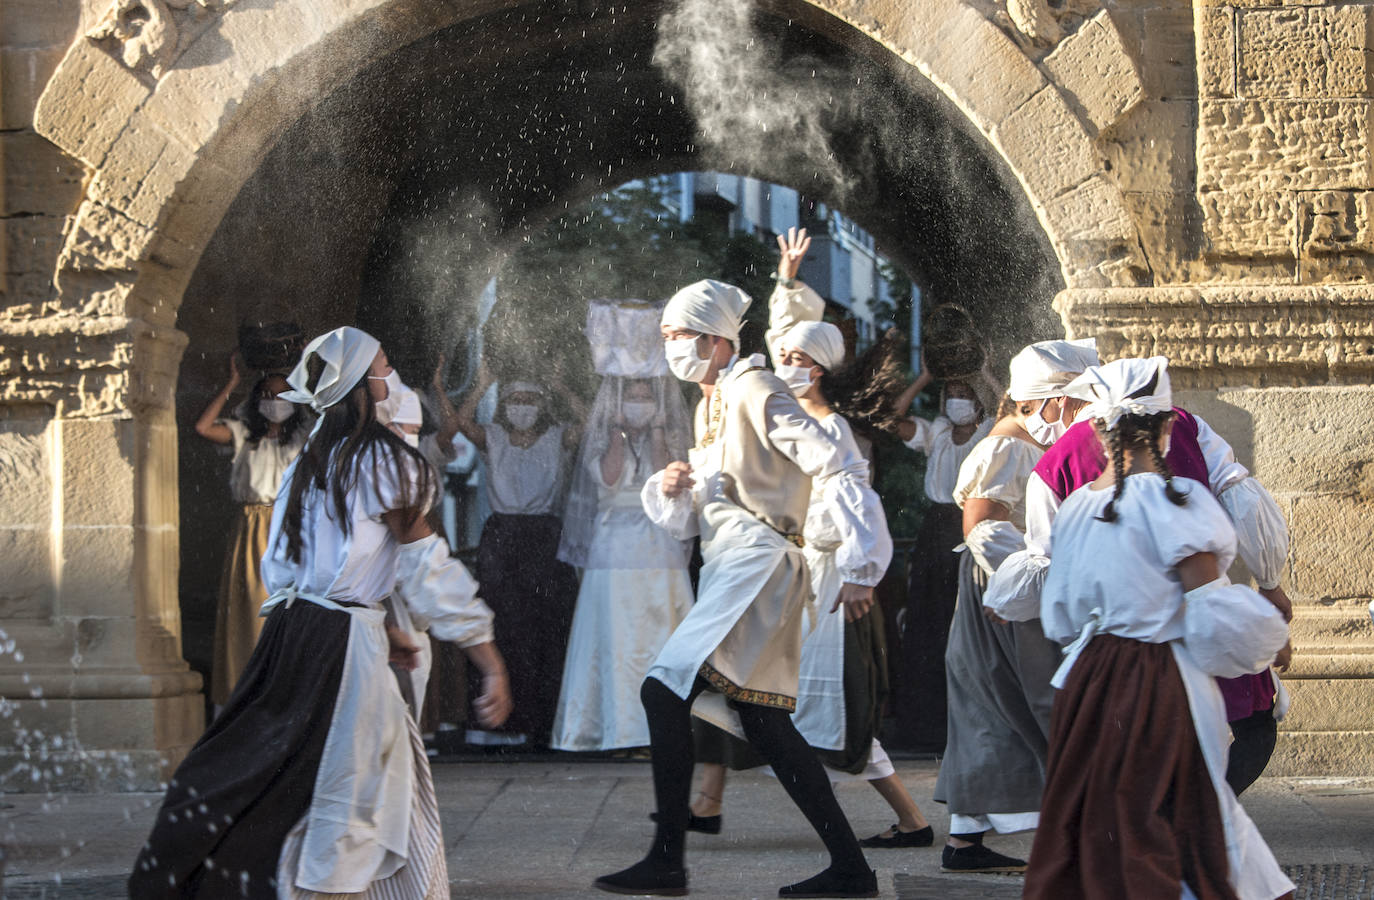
[{"x": 635, "y": 587}]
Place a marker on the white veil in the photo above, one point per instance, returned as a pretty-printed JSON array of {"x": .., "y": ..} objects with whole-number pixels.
[{"x": 626, "y": 346}]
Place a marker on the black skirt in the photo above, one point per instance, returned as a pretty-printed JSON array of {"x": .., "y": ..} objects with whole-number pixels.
[
  {"x": 932, "y": 588},
  {"x": 251, "y": 776}
]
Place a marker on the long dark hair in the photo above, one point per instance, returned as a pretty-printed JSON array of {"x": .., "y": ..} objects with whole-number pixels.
[
  {"x": 257, "y": 423},
  {"x": 862, "y": 392},
  {"x": 350, "y": 434},
  {"x": 1133, "y": 431}
]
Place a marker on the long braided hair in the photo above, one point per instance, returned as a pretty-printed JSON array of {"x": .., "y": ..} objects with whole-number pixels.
[
  {"x": 862, "y": 392},
  {"x": 1132, "y": 432}
]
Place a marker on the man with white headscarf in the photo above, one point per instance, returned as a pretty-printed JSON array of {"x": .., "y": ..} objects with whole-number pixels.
[
  {"x": 1197, "y": 452},
  {"x": 998, "y": 673},
  {"x": 746, "y": 491}
]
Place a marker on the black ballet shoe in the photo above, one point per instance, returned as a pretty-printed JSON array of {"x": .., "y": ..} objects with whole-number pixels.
[
  {"x": 831, "y": 883},
  {"x": 978, "y": 859},
  {"x": 702, "y": 824},
  {"x": 921, "y": 837},
  {"x": 645, "y": 877}
]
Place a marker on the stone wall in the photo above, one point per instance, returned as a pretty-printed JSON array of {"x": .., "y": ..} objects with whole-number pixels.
[{"x": 1201, "y": 172}]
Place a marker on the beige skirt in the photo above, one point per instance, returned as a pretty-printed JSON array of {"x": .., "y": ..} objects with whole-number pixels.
[{"x": 241, "y": 594}]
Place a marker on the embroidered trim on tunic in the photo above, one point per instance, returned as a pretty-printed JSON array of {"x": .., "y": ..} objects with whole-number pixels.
[{"x": 743, "y": 694}]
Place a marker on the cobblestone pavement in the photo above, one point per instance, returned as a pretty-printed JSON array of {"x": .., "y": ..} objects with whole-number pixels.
[{"x": 546, "y": 828}]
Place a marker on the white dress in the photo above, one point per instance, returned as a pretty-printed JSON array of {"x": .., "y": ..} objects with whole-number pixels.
[
  {"x": 635, "y": 590},
  {"x": 1138, "y": 595}
]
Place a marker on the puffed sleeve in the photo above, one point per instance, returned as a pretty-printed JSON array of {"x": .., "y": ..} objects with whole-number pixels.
[
  {"x": 1222, "y": 468},
  {"x": 841, "y": 478},
  {"x": 388, "y": 480},
  {"x": 1015, "y": 588},
  {"x": 1261, "y": 532},
  {"x": 440, "y": 594},
  {"x": 1199, "y": 526},
  {"x": 924, "y": 438},
  {"x": 1229, "y": 630},
  {"x": 675, "y": 515},
  {"x": 786, "y": 307},
  {"x": 238, "y": 432},
  {"x": 996, "y": 469}
]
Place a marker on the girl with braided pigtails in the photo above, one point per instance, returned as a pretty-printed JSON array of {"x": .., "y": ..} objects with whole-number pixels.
[{"x": 1136, "y": 592}]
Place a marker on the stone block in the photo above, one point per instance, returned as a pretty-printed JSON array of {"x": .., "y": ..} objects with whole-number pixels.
[
  {"x": 23, "y": 73},
  {"x": 1170, "y": 227},
  {"x": 1044, "y": 143},
  {"x": 1093, "y": 212},
  {"x": 1307, "y": 52},
  {"x": 1237, "y": 223},
  {"x": 40, "y": 23},
  {"x": 39, "y": 178},
  {"x": 104, "y": 239},
  {"x": 142, "y": 173},
  {"x": 1324, "y": 753},
  {"x": 1275, "y": 145},
  {"x": 88, "y": 103},
  {"x": 27, "y": 576},
  {"x": 1216, "y": 51},
  {"x": 25, "y": 470},
  {"x": 1094, "y": 69},
  {"x": 98, "y": 478},
  {"x": 1151, "y": 149},
  {"x": 32, "y": 243},
  {"x": 1168, "y": 59},
  {"x": 97, "y": 571},
  {"x": 1331, "y": 537}
]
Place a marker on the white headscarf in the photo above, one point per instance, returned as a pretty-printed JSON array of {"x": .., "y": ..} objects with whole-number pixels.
[
  {"x": 821, "y": 341},
  {"x": 1042, "y": 370},
  {"x": 1108, "y": 389},
  {"x": 409, "y": 410},
  {"x": 347, "y": 353},
  {"x": 708, "y": 307}
]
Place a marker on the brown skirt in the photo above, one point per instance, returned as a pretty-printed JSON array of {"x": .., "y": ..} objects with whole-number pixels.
[
  {"x": 241, "y": 595},
  {"x": 1129, "y": 809}
]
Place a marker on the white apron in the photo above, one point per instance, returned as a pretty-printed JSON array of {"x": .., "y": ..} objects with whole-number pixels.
[{"x": 820, "y": 715}]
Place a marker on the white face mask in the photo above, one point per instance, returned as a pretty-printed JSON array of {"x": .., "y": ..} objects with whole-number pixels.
[
  {"x": 522, "y": 416},
  {"x": 276, "y": 411},
  {"x": 1044, "y": 432},
  {"x": 387, "y": 409},
  {"x": 638, "y": 413},
  {"x": 961, "y": 411},
  {"x": 683, "y": 359},
  {"x": 797, "y": 378},
  {"x": 412, "y": 439}
]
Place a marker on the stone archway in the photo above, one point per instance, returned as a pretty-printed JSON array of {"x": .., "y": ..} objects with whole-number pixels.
[{"x": 170, "y": 107}]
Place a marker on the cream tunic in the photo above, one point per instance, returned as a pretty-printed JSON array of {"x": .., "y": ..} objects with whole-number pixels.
[{"x": 257, "y": 470}]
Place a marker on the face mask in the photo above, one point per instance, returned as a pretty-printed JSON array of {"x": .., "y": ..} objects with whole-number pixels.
[
  {"x": 638, "y": 414},
  {"x": 413, "y": 440},
  {"x": 683, "y": 359},
  {"x": 276, "y": 411},
  {"x": 387, "y": 409},
  {"x": 961, "y": 411},
  {"x": 1044, "y": 432},
  {"x": 522, "y": 416},
  {"x": 797, "y": 379}
]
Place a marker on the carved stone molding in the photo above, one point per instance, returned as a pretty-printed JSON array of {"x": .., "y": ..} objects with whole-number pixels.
[
  {"x": 1231, "y": 335},
  {"x": 149, "y": 35}
]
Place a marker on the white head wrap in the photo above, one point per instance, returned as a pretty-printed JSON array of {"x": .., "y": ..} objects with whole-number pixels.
[
  {"x": 347, "y": 353},
  {"x": 1108, "y": 389},
  {"x": 1042, "y": 370},
  {"x": 409, "y": 411},
  {"x": 821, "y": 341},
  {"x": 708, "y": 307},
  {"x": 520, "y": 387}
]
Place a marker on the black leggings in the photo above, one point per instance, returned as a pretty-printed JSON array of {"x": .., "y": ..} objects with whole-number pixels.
[
  {"x": 1255, "y": 737},
  {"x": 771, "y": 732}
]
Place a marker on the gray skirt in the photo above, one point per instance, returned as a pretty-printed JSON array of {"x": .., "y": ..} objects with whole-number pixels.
[{"x": 999, "y": 707}]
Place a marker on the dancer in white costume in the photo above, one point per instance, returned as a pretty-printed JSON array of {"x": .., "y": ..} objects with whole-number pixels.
[{"x": 635, "y": 587}]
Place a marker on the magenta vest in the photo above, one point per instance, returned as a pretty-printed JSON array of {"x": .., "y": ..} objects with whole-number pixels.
[{"x": 1077, "y": 459}]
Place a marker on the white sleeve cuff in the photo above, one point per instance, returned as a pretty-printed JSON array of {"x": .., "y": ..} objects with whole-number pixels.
[
  {"x": 440, "y": 593},
  {"x": 991, "y": 541},
  {"x": 1015, "y": 588},
  {"x": 1261, "y": 532},
  {"x": 675, "y": 515}
]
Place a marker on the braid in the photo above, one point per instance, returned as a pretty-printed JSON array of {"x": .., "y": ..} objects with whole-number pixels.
[
  {"x": 1176, "y": 497},
  {"x": 1118, "y": 451}
]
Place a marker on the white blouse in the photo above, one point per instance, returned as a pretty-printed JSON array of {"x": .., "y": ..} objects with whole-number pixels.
[
  {"x": 997, "y": 469},
  {"x": 873, "y": 542},
  {"x": 525, "y": 481},
  {"x": 943, "y": 456},
  {"x": 255, "y": 475},
  {"x": 1123, "y": 573}
]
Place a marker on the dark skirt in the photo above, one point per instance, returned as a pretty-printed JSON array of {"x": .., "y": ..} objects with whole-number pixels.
[
  {"x": 532, "y": 596},
  {"x": 932, "y": 589},
  {"x": 865, "y": 691},
  {"x": 1129, "y": 807},
  {"x": 251, "y": 776}
]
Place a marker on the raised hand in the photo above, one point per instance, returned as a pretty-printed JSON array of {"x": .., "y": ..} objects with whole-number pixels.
[
  {"x": 792, "y": 249},
  {"x": 677, "y": 477}
]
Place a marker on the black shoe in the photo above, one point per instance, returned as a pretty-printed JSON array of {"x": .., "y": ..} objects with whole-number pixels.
[
  {"x": 835, "y": 884},
  {"x": 645, "y": 877},
  {"x": 703, "y": 824},
  {"x": 978, "y": 859},
  {"x": 921, "y": 837}
]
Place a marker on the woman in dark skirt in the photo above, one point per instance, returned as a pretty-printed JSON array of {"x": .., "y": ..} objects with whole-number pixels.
[
  {"x": 313, "y": 779},
  {"x": 1136, "y": 803}
]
